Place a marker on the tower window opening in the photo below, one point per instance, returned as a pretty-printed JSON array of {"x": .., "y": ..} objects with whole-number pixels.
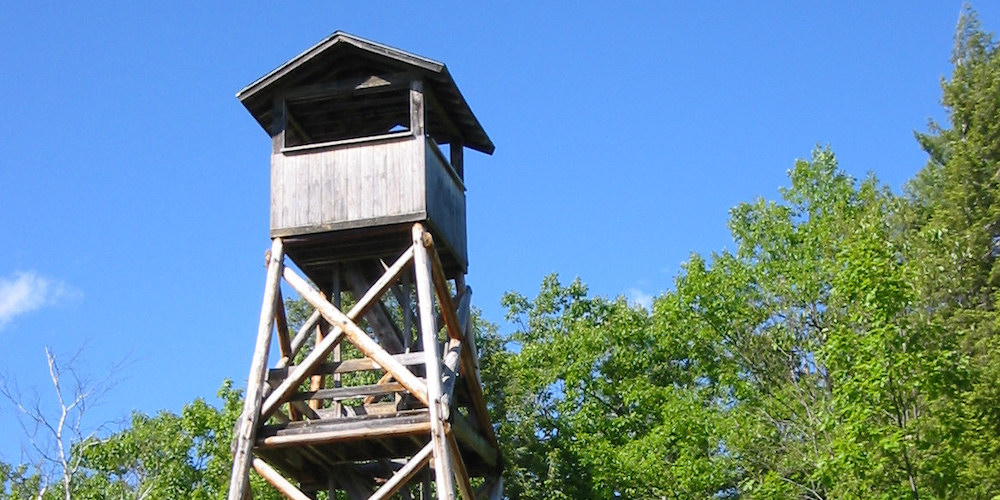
[{"x": 323, "y": 119}]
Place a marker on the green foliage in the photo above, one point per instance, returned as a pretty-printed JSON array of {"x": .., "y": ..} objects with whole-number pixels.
[
  {"x": 168, "y": 456},
  {"x": 848, "y": 348}
]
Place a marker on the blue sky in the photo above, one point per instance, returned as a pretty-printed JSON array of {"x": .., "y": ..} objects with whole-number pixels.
[{"x": 134, "y": 186}]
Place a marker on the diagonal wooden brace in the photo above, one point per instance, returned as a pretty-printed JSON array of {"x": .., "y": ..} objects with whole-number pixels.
[
  {"x": 402, "y": 476},
  {"x": 278, "y": 481},
  {"x": 343, "y": 325}
]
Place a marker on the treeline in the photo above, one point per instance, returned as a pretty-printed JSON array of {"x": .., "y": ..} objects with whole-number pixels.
[{"x": 847, "y": 348}]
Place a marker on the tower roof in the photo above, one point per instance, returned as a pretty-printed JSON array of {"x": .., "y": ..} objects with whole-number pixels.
[{"x": 344, "y": 55}]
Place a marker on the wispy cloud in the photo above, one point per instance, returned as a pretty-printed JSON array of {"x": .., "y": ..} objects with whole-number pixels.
[
  {"x": 26, "y": 292},
  {"x": 640, "y": 298}
]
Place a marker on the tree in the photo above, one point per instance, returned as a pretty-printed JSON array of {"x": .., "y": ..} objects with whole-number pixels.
[
  {"x": 57, "y": 434},
  {"x": 953, "y": 209},
  {"x": 169, "y": 456},
  {"x": 598, "y": 406}
]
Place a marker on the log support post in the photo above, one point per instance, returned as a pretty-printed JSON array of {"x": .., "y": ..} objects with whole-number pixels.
[
  {"x": 429, "y": 339},
  {"x": 247, "y": 427}
]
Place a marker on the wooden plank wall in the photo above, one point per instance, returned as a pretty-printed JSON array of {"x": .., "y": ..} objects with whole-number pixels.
[
  {"x": 366, "y": 181},
  {"x": 445, "y": 201}
]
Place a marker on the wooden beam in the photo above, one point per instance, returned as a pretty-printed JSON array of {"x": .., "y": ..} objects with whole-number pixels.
[
  {"x": 343, "y": 433},
  {"x": 403, "y": 476},
  {"x": 417, "y": 111},
  {"x": 452, "y": 352},
  {"x": 357, "y": 336},
  {"x": 247, "y": 429},
  {"x": 281, "y": 325},
  {"x": 344, "y": 325},
  {"x": 469, "y": 360},
  {"x": 429, "y": 338},
  {"x": 461, "y": 473},
  {"x": 317, "y": 356},
  {"x": 384, "y": 379},
  {"x": 441, "y": 286},
  {"x": 354, "y": 391},
  {"x": 468, "y": 435},
  {"x": 348, "y": 366},
  {"x": 284, "y": 486},
  {"x": 301, "y": 409},
  {"x": 301, "y": 337},
  {"x": 338, "y": 409},
  {"x": 316, "y": 381},
  {"x": 385, "y": 329}
]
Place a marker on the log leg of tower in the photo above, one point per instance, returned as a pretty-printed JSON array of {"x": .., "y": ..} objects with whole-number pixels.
[
  {"x": 429, "y": 338},
  {"x": 247, "y": 428}
]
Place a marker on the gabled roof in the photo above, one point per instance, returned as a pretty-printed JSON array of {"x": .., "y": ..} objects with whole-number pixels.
[{"x": 342, "y": 50}]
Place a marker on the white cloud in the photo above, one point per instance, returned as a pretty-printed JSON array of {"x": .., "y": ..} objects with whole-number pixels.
[
  {"x": 640, "y": 298},
  {"x": 26, "y": 292}
]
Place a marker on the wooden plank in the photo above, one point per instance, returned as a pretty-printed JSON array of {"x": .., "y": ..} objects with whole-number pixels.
[
  {"x": 314, "y": 198},
  {"x": 290, "y": 196},
  {"x": 380, "y": 182},
  {"x": 348, "y": 366},
  {"x": 366, "y": 167},
  {"x": 277, "y": 192},
  {"x": 403, "y": 476},
  {"x": 428, "y": 334},
  {"x": 356, "y": 141},
  {"x": 300, "y": 200},
  {"x": 279, "y": 482},
  {"x": 354, "y": 391},
  {"x": 445, "y": 203},
  {"x": 247, "y": 427},
  {"x": 344, "y": 433}
]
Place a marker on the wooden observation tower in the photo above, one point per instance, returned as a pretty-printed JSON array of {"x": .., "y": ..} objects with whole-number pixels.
[{"x": 383, "y": 397}]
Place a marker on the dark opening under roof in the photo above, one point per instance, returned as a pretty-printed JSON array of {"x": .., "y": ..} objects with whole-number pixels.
[{"x": 344, "y": 54}]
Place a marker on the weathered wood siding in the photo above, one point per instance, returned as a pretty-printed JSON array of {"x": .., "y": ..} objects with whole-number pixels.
[
  {"x": 445, "y": 201},
  {"x": 355, "y": 185},
  {"x": 368, "y": 184}
]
